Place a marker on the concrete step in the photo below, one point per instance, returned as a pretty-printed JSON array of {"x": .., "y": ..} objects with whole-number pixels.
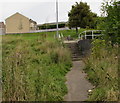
[
  {"x": 75, "y": 51},
  {"x": 76, "y": 59},
  {"x": 76, "y": 56}
]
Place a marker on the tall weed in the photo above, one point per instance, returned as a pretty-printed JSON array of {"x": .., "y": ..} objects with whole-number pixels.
[{"x": 102, "y": 70}]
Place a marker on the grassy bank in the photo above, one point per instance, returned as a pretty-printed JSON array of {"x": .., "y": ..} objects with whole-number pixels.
[
  {"x": 102, "y": 70},
  {"x": 34, "y": 68},
  {"x": 71, "y": 32}
]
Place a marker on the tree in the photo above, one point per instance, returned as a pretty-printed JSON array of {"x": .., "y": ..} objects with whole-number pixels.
[
  {"x": 100, "y": 23},
  {"x": 112, "y": 21},
  {"x": 80, "y": 16}
]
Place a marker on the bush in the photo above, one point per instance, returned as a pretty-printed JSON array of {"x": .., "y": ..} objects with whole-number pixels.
[{"x": 112, "y": 21}]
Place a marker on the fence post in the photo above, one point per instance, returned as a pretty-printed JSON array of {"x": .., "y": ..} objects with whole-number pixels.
[
  {"x": 92, "y": 35},
  {"x": 79, "y": 36},
  {"x": 85, "y": 34}
]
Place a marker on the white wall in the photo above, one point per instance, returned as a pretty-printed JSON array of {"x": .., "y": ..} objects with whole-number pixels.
[{"x": 2, "y": 31}]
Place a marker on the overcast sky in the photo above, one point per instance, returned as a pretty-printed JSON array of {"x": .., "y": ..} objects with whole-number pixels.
[{"x": 43, "y": 11}]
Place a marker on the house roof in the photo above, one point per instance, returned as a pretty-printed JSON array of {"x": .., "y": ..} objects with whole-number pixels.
[
  {"x": 32, "y": 21},
  {"x": 21, "y": 15},
  {"x": 16, "y": 14}
]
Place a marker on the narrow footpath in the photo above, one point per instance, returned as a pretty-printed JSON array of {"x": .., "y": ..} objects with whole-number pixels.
[{"x": 77, "y": 83}]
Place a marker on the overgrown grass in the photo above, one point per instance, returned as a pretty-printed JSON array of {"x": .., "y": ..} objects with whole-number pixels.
[
  {"x": 34, "y": 68},
  {"x": 102, "y": 70}
]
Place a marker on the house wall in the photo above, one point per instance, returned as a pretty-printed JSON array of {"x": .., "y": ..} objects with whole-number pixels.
[
  {"x": 17, "y": 24},
  {"x": 2, "y": 28},
  {"x": 33, "y": 26},
  {"x": 2, "y": 31}
]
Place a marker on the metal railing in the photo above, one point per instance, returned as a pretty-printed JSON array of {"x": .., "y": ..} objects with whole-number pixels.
[{"x": 92, "y": 34}]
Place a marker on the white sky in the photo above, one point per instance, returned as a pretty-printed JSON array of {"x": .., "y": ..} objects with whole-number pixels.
[{"x": 43, "y": 11}]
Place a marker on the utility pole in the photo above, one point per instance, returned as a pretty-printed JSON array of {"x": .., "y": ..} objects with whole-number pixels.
[{"x": 57, "y": 35}]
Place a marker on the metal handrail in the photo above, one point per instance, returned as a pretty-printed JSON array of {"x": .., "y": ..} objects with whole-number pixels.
[{"x": 79, "y": 36}]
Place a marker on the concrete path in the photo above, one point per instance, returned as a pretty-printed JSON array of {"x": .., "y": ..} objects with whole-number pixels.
[{"x": 77, "y": 84}]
